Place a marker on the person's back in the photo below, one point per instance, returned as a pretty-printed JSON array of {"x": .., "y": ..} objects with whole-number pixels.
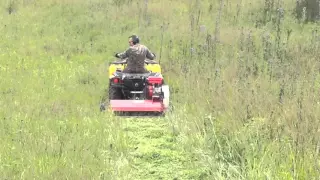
[{"x": 136, "y": 54}]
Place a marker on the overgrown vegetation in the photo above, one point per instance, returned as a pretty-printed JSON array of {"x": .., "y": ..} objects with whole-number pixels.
[{"x": 244, "y": 78}]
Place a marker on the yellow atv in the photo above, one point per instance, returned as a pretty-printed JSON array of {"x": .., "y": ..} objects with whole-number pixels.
[{"x": 137, "y": 92}]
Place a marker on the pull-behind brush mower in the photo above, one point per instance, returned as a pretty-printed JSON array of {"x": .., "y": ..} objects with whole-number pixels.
[{"x": 137, "y": 94}]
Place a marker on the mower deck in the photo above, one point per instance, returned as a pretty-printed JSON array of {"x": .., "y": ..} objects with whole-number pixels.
[{"x": 136, "y": 106}]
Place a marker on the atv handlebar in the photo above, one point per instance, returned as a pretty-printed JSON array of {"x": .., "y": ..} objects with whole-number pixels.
[{"x": 124, "y": 61}]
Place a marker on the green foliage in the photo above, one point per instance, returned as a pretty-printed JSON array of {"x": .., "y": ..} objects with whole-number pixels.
[{"x": 244, "y": 79}]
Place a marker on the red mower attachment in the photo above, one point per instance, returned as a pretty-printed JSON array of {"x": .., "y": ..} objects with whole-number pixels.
[
  {"x": 152, "y": 97},
  {"x": 136, "y": 106}
]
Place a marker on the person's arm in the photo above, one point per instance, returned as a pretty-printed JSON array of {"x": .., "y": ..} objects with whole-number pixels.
[
  {"x": 123, "y": 55},
  {"x": 150, "y": 55}
]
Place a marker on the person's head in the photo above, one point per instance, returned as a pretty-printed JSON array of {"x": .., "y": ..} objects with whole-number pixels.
[{"x": 134, "y": 39}]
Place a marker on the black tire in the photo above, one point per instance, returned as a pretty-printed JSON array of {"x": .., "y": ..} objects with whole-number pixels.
[{"x": 114, "y": 93}]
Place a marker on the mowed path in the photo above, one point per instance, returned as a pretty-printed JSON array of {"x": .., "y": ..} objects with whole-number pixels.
[{"x": 154, "y": 151}]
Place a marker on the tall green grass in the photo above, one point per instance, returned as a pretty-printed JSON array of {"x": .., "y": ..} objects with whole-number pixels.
[{"x": 243, "y": 77}]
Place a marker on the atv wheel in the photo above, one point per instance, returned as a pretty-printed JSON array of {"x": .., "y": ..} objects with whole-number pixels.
[{"x": 114, "y": 93}]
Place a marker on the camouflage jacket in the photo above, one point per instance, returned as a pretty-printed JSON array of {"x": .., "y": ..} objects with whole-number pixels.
[{"x": 136, "y": 55}]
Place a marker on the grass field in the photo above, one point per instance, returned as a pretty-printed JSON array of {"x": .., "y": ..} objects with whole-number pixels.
[{"x": 245, "y": 86}]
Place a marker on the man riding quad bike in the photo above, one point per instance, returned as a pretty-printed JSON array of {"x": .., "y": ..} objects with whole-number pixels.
[
  {"x": 136, "y": 54},
  {"x": 135, "y": 83}
]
